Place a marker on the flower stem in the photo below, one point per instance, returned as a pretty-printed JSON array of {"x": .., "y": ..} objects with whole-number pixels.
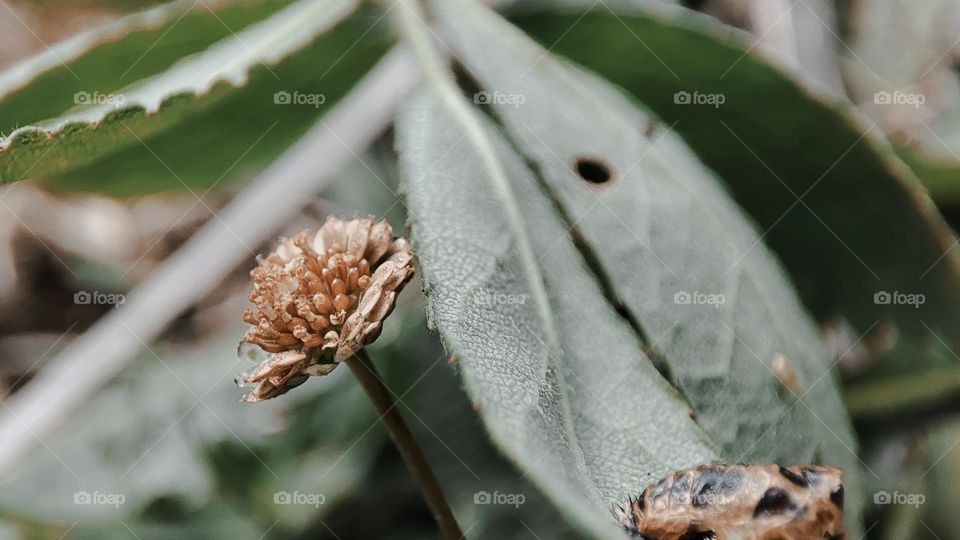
[{"x": 403, "y": 439}]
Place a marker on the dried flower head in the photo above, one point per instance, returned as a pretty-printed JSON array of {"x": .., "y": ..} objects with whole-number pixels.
[{"x": 320, "y": 298}]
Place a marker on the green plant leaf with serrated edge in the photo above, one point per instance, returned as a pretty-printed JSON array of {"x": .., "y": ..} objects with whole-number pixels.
[
  {"x": 126, "y": 115},
  {"x": 119, "y": 53},
  {"x": 234, "y": 139}
]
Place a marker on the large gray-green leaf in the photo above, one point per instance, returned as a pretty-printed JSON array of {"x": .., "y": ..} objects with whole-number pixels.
[
  {"x": 104, "y": 122},
  {"x": 556, "y": 391},
  {"x": 797, "y": 161},
  {"x": 666, "y": 264}
]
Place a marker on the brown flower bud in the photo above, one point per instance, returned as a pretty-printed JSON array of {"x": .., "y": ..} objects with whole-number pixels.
[{"x": 320, "y": 298}]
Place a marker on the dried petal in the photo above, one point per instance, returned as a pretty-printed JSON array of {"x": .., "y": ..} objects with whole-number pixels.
[
  {"x": 357, "y": 233},
  {"x": 381, "y": 236}
]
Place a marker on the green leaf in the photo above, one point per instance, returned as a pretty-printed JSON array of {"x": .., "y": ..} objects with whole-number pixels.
[
  {"x": 121, "y": 6},
  {"x": 119, "y": 53},
  {"x": 884, "y": 397},
  {"x": 534, "y": 384},
  {"x": 938, "y": 174},
  {"x": 775, "y": 141},
  {"x": 236, "y": 138},
  {"x": 112, "y": 120},
  {"x": 560, "y": 296}
]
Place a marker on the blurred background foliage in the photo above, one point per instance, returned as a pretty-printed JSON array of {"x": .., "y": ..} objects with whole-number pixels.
[
  {"x": 191, "y": 461},
  {"x": 191, "y": 464}
]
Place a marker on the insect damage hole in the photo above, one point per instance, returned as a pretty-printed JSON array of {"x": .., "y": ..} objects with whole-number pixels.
[{"x": 592, "y": 170}]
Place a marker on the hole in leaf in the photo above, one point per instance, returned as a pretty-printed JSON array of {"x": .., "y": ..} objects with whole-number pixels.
[{"x": 592, "y": 170}]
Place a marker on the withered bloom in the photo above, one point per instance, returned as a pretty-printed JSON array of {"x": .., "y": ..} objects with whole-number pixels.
[{"x": 320, "y": 298}]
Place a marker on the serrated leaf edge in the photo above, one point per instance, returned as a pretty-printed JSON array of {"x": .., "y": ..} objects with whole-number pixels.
[{"x": 276, "y": 37}]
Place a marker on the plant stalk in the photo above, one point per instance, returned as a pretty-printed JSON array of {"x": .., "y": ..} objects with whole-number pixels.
[{"x": 403, "y": 439}]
